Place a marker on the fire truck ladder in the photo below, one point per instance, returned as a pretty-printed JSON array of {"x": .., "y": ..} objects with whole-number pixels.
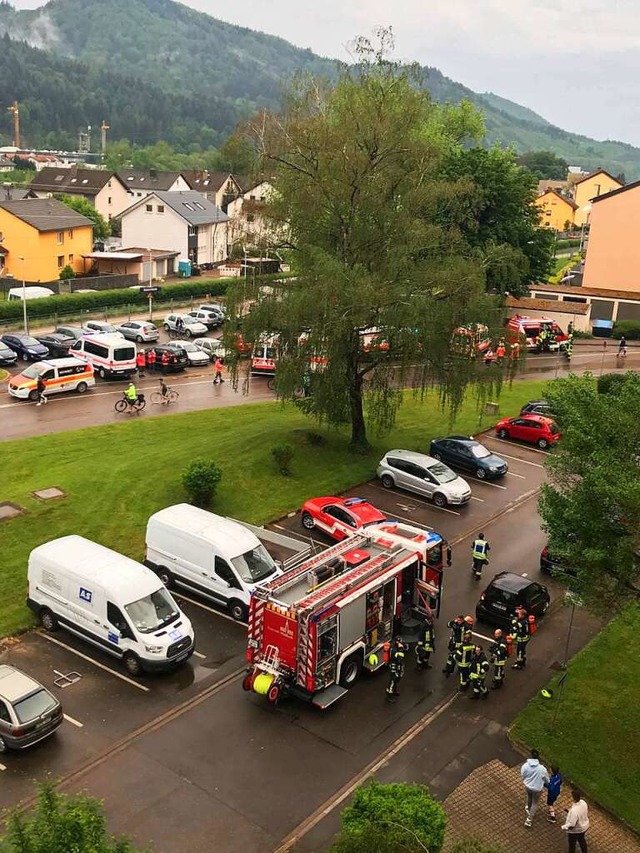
[{"x": 349, "y": 544}]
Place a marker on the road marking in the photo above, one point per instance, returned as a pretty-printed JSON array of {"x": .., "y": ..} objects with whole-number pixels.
[
  {"x": 73, "y": 722},
  {"x": 200, "y": 655},
  {"x": 95, "y": 663},
  {"x": 482, "y": 636},
  {"x": 206, "y": 607},
  {"x": 417, "y": 500},
  {"x": 298, "y": 537},
  {"x": 340, "y": 796},
  {"x": 507, "y": 509},
  {"x": 2, "y": 767},
  {"x": 520, "y": 476},
  {"x": 524, "y": 461},
  {"x": 474, "y": 498},
  {"x": 487, "y": 483},
  {"x": 532, "y": 449},
  {"x": 411, "y": 521}
]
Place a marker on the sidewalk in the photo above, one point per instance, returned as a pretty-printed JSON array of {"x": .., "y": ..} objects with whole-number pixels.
[{"x": 489, "y": 804}]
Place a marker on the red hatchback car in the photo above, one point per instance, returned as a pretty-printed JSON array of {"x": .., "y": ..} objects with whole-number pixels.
[
  {"x": 340, "y": 517},
  {"x": 534, "y": 429}
]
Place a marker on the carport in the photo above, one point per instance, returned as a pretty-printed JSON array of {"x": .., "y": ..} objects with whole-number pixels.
[{"x": 146, "y": 264}]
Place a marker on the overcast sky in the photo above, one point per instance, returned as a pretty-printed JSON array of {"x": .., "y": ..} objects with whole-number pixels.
[{"x": 576, "y": 62}]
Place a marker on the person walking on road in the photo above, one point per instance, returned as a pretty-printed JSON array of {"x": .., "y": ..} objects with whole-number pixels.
[
  {"x": 499, "y": 652},
  {"x": 141, "y": 362},
  {"x": 521, "y": 631},
  {"x": 458, "y": 626},
  {"x": 218, "y": 369},
  {"x": 396, "y": 669},
  {"x": 151, "y": 359},
  {"x": 577, "y": 822},
  {"x": 426, "y": 644},
  {"x": 553, "y": 792},
  {"x": 41, "y": 387},
  {"x": 480, "y": 551},
  {"x": 534, "y": 776},
  {"x": 478, "y": 673},
  {"x": 464, "y": 656}
]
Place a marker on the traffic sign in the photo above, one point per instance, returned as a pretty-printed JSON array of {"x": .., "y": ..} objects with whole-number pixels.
[{"x": 150, "y": 289}]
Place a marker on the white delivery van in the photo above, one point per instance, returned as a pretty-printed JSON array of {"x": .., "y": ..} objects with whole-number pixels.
[
  {"x": 110, "y": 355},
  {"x": 211, "y": 555},
  {"x": 110, "y": 601},
  {"x": 29, "y": 293}
]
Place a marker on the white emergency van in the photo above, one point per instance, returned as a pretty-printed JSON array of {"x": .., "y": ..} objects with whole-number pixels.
[
  {"x": 110, "y": 601},
  {"x": 110, "y": 355},
  {"x": 59, "y": 374},
  {"x": 208, "y": 554}
]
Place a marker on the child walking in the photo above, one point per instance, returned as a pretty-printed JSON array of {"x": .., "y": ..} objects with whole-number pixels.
[{"x": 553, "y": 792}]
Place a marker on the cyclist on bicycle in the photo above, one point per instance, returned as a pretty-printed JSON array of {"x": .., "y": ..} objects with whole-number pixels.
[
  {"x": 164, "y": 391},
  {"x": 131, "y": 395},
  {"x": 179, "y": 324}
]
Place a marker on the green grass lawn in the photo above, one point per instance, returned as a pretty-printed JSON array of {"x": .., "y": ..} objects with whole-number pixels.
[
  {"x": 596, "y": 739},
  {"x": 116, "y": 476}
]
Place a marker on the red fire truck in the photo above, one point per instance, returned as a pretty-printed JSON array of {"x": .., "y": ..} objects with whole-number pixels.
[{"x": 315, "y": 628}]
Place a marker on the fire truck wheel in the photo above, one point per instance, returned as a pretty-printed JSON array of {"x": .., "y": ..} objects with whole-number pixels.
[
  {"x": 247, "y": 681},
  {"x": 307, "y": 521},
  {"x": 350, "y": 670},
  {"x": 237, "y": 610},
  {"x": 274, "y": 694}
]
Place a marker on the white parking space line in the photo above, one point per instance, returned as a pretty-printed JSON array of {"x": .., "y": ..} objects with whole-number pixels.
[
  {"x": 524, "y": 461},
  {"x": 300, "y": 538},
  {"x": 206, "y": 607},
  {"x": 474, "y": 498},
  {"x": 95, "y": 663},
  {"x": 486, "y": 483},
  {"x": 532, "y": 449},
  {"x": 519, "y": 476},
  {"x": 200, "y": 655},
  {"x": 73, "y": 722},
  {"x": 412, "y": 499},
  {"x": 412, "y": 521}
]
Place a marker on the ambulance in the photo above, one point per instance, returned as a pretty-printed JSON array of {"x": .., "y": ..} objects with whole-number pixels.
[
  {"x": 530, "y": 328},
  {"x": 59, "y": 374}
]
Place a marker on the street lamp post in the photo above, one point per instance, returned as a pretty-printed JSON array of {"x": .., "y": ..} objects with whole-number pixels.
[{"x": 24, "y": 298}]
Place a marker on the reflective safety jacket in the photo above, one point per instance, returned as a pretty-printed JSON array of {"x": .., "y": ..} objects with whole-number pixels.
[
  {"x": 464, "y": 654},
  {"x": 498, "y": 651},
  {"x": 131, "y": 394},
  {"x": 428, "y": 638},
  {"x": 479, "y": 666},
  {"x": 457, "y": 633},
  {"x": 520, "y": 628},
  {"x": 479, "y": 548}
]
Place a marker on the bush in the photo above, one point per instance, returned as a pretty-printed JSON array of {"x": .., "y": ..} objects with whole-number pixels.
[
  {"x": 630, "y": 329},
  {"x": 66, "y": 273},
  {"x": 282, "y": 455},
  {"x": 201, "y": 481},
  {"x": 610, "y": 383}
]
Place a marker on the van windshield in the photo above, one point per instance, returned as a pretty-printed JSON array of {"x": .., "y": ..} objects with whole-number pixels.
[
  {"x": 255, "y": 565},
  {"x": 34, "y": 370},
  {"x": 152, "y": 612}
]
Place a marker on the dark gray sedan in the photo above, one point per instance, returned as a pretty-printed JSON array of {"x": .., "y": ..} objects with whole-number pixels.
[{"x": 461, "y": 451}]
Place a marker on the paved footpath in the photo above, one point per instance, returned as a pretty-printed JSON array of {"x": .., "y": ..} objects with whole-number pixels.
[{"x": 489, "y": 804}]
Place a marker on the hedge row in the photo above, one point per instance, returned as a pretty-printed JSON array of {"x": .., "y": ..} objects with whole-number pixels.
[{"x": 630, "y": 329}]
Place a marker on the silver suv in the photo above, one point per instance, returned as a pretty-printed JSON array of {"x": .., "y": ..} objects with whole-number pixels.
[
  {"x": 191, "y": 328},
  {"x": 28, "y": 712},
  {"x": 424, "y": 475}
]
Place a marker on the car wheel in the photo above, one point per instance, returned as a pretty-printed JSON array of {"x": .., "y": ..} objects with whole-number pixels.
[
  {"x": 33, "y": 396},
  {"x": 187, "y": 333},
  {"x": 481, "y": 473},
  {"x": 166, "y": 327},
  {"x": 237, "y": 610},
  {"x": 132, "y": 664},
  {"x": 48, "y": 620},
  {"x": 102, "y": 373},
  {"x": 439, "y": 499},
  {"x": 25, "y": 357},
  {"x": 165, "y": 576},
  {"x": 502, "y": 433},
  {"x": 350, "y": 670},
  {"x": 139, "y": 339},
  {"x": 82, "y": 387},
  {"x": 307, "y": 521},
  {"x": 3, "y": 745},
  {"x": 543, "y": 443},
  {"x": 437, "y": 456},
  {"x": 387, "y": 481}
]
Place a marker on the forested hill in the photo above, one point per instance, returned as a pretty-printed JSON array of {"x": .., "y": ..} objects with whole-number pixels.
[{"x": 156, "y": 69}]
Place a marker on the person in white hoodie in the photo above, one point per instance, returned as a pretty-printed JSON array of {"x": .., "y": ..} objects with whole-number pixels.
[
  {"x": 577, "y": 822},
  {"x": 534, "y": 775}
]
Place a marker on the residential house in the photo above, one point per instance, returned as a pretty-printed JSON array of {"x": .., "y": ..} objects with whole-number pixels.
[
  {"x": 249, "y": 226},
  {"x": 142, "y": 182},
  {"x": 183, "y": 222},
  {"x": 101, "y": 187},
  {"x": 559, "y": 186},
  {"x": 218, "y": 187},
  {"x": 556, "y": 210},
  {"x": 5, "y": 164},
  {"x": 39, "y": 237},
  {"x": 589, "y": 187},
  {"x": 9, "y": 192}
]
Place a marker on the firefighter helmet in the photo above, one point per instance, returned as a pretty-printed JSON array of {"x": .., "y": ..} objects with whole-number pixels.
[{"x": 373, "y": 659}]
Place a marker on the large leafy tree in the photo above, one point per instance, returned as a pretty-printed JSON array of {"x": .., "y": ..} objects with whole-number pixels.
[
  {"x": 591, "y": 505},
  {"x": 83, "y": 206},
  {"x": 358, "y": 173},
  {"x": 544, "y": 165}
]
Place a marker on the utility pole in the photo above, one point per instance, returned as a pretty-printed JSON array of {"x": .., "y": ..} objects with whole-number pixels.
[{"x": 16, "y": 123}]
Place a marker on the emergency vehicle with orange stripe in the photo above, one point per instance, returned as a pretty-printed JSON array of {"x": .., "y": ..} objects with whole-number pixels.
[
  {"x": 314, "y": 629},
  {"x": 59, "y": 374}
]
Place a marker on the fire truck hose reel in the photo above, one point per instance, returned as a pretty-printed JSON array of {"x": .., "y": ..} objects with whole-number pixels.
[{"x": 262, "y": 683}]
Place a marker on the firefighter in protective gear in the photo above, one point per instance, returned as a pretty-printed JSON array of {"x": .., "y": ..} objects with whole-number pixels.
[
  {"x": 478, "y": 673},
  {"x": 396, "y": 669},
  {"x": 480, "y": 552},
  {"x": 426, "y": 644},
  {"x": 464, "y": 655},
  {"x": 521, "y": 632},
  {"x": 499, "y": 652},
  {"x": 568, "y": 347},
  {"x": 458, "y": 626}
]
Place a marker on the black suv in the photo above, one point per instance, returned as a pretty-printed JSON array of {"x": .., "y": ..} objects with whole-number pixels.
[
  {"x": 537, "y": 407},
  {"x": 57, "y": 344},
  {"x": 497, "y": 604},
  {"x": 178, "y": 358}
]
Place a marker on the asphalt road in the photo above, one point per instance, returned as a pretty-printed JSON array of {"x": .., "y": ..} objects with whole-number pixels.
[{"x": 187, "y": 758}]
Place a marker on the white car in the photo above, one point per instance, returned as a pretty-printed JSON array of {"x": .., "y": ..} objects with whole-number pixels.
[
  {"x": 141, "y": 331},
  {"x": 96, "y": 327},
  {"x": 210, "y": 319},
  {"x": 191, "y": 327},
  {"x": 196, "y": 355},
  {"x": 424, "y": 475},
  {"x": 212, "y": 347}
]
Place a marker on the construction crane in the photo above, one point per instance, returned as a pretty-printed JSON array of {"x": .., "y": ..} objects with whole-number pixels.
[
  {"x": 104, "y": 127},
  {"x": 16, "y": 123}
]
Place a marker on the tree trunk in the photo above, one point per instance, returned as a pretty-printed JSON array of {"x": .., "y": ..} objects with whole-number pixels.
[{"x": 359, "y": 441}]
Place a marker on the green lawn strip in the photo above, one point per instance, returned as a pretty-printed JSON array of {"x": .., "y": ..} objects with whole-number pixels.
[
  {"x": 596, "y": 738},
  {"x": 116, "y": 476}
]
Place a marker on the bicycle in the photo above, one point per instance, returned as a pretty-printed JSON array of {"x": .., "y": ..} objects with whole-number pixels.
[
  {"x": 171, "y": 397},
  {"x": 123, "y": 405},
  {"x": 174, "y": 334}
]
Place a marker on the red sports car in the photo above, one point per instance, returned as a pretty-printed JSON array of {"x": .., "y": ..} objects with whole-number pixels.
[{"x": 340, "y": 517}]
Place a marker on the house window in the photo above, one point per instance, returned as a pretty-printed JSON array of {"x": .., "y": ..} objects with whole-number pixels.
[
  {"x": 60, "y": 238},
  {"x": 187, "y": 205},
  {"x": 70, "y": 234},
  {"x": 198, "y": 205},
  {"x": 109, "y": 184},
  {"x": 59, "y": 178},
  {"x": 149, "y": 208},
  {"x": 109, "y": 200},
  {"x": 70, "y": 259},
  {"x": 139, "y": 195},
  {"x": 160, "y": 208},
  {"x": 60, "y": 261}
]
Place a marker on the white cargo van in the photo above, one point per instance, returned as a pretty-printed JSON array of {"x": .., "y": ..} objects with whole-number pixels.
[
  {"x": 110, "y": 601},
  {"x": 211, "y": 555},
  {"x": 110, "y": 355},
  {"x": 16, "y": 293}
]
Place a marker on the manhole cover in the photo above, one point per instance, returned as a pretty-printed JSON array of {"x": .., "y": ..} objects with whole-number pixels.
[
  {"x": 9, "y": 510},
  {"x": 49, "y": 494}
]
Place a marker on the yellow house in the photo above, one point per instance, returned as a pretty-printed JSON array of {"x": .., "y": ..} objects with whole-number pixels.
[
  {"x": 46, "y": 234},
  {"x": 555, "y": 210},
  {"x": 591, "y": 186}
]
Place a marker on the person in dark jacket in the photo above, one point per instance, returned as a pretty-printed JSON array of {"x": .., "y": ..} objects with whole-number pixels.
[
  {"x": 478, "y": 673},
  {"x": 41, "y": 387},
  {"x": 426, "y": 644},
  {"x": 553, "y": 792},
  {"x": 464, "y": 656},
  {"x": 498, "y": 652}
]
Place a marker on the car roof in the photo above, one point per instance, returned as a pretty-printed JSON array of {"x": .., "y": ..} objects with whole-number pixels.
[
  {"x": 15, "y": 684},
  {"x": 234, "y": 538},
  {"x": 67, "y": 361},
  {"x": 465, "y": 439},
  {"x": 414, "y": 456},
  {"x": 511, "y": 582}
]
